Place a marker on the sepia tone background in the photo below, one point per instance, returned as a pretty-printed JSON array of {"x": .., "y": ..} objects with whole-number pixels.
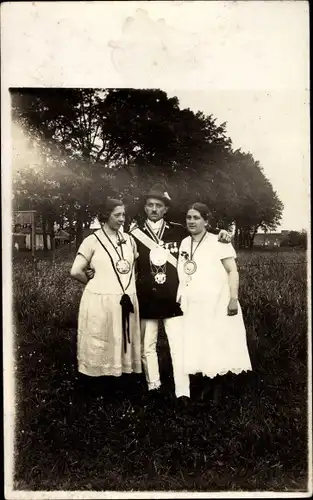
[{"x": 251, "y": 59}]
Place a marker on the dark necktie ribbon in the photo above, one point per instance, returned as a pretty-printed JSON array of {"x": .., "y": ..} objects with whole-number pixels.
[{"x": 127, "y": 308}]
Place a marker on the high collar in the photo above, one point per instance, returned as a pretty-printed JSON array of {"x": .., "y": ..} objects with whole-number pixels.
[{"x": 155, "y": 226}]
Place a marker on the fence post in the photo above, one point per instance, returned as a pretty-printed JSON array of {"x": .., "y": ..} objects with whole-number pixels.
[
  {"x": 33, "y": 240},
  {"x": 53, "y": 247}
]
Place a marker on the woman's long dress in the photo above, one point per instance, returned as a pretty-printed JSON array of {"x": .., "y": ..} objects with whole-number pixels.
[
  {"x": 100, "y": 343},
  {"x": 214, "y": 343}
]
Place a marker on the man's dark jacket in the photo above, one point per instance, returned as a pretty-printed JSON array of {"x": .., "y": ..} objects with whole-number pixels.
[{"x": 158, "y": 301}]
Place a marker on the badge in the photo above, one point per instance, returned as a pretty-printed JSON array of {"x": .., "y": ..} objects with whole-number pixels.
[
  {"x": 188, "y": 278},
  {"x": 160, "y": 278},
  {"x": 123, "y": 266},
  {"x": 190, "y": 267},
  {"x": 158, "y": 256}
]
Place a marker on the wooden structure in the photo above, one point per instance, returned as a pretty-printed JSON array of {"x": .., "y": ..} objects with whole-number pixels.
[
  {"x": 25, "y": 220},
  {"x": 269, "y": 240}
]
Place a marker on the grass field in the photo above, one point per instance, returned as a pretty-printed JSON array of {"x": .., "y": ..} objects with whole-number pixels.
[{"x": 111, "y": 437}]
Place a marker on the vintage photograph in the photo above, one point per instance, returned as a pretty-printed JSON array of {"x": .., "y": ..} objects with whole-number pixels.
[
  {"x": 159, "y": 306},
  {"x": 156, "y": 253}
]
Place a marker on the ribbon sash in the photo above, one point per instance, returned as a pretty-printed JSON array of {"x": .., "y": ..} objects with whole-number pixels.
[
  {"x": 155, "y": 237},
  {"x": 126, "y": 303},
  {"x": 149, "y": 243}
]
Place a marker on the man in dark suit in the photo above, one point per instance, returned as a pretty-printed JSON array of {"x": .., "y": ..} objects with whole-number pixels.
[{"x": 158, "y": 243}]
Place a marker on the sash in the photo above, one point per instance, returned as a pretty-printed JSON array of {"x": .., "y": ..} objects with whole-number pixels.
[
  {"x": 149, "y": 243},
  {"x": 127, "y": 306},
  {"x": 156, "y": 237}
]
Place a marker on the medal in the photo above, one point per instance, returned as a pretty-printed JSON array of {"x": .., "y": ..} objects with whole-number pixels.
[
  {"x": 160, "y": 278},
  {"x": 123, "y": 266},
  {"x": 158, "y": 256},
  {"x": 188, "y": 278},
  {"x": 190, "y": 267}
]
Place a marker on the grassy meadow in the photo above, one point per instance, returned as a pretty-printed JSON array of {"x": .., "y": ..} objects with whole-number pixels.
[{"x": 112, "y": 437}]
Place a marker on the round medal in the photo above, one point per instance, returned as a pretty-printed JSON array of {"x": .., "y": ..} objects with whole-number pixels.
[
  {"x": 158, "y": 256},
  {"x": 190, "y": 267},
  {"x": 160, "y": 278},
  {"x": 123, "y": 266}
]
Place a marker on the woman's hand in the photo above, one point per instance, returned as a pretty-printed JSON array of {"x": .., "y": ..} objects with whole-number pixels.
[
  {"x": 232, "y": 309},
  {"x": 89, "y": 273},
  {"x": 224, "y": 236}
]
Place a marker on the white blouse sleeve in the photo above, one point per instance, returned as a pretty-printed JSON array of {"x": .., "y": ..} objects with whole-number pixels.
[
  {"x": 226, "y": 250},
  {"x": 87, "y": 247}
]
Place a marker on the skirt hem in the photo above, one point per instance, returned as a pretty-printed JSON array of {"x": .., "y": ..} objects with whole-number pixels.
[
  {"x": 235, "y": 371},
  {"x": 98, "y": 372}
]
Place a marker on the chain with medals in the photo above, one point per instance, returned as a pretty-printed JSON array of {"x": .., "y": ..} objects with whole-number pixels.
[
  {"x": 122, "y": 265},
  {"x": 190, "y": 265},
  {"x": 158, "y": 255}
]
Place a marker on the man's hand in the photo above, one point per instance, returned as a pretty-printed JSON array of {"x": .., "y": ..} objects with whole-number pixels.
[
  {"x": 232, "y": 309},
  {"x": 224, "y": 236},
  {"x": 89, "y": 273}
]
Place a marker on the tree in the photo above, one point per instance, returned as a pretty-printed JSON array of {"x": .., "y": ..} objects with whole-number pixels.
[
  {"x": 64, "y": 132},
  {"x": 98, "y": 143},
  {"x": 256, "y": 203},
  {"x": 296, "y": 239}
]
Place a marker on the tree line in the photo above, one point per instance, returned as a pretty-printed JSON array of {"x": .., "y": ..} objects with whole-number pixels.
[
  {"x": 72, "y": 148},
  {"x": 295, "y": 239}
]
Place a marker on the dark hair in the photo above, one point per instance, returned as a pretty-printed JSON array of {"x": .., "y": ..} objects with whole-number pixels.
[
  {"x": 202, "y": 209},
  {"x": 109, "y": 206}
]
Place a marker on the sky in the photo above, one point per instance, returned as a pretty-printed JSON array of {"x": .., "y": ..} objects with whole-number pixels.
[
  {"x": 244, "y": 62},
  {"x": 274, "y": 127}
]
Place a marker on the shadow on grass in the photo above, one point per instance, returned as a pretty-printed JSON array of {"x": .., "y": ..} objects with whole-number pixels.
[{"x": 106, "y": 434}]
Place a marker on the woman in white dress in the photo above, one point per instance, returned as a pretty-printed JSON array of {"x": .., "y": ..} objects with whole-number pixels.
[
  {"x": 108, "y": 340},
  {"x": 214, "y": 334}
]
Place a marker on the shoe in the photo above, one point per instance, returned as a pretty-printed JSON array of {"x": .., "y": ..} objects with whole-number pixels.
[
  {"x": 154, "y": 396},
  {"x": 206, "y": 393},
  {"x": 154, "y": 392},
  {"x": 182, "y": 402},
  {"x": 217, "y": 393}
]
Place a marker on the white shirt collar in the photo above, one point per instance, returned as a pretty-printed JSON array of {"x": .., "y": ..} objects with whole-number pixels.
[{"x": 155, "y": 226}]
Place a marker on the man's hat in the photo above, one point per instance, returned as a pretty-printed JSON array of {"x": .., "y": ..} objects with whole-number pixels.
[{"x": 158, "y": 191}]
